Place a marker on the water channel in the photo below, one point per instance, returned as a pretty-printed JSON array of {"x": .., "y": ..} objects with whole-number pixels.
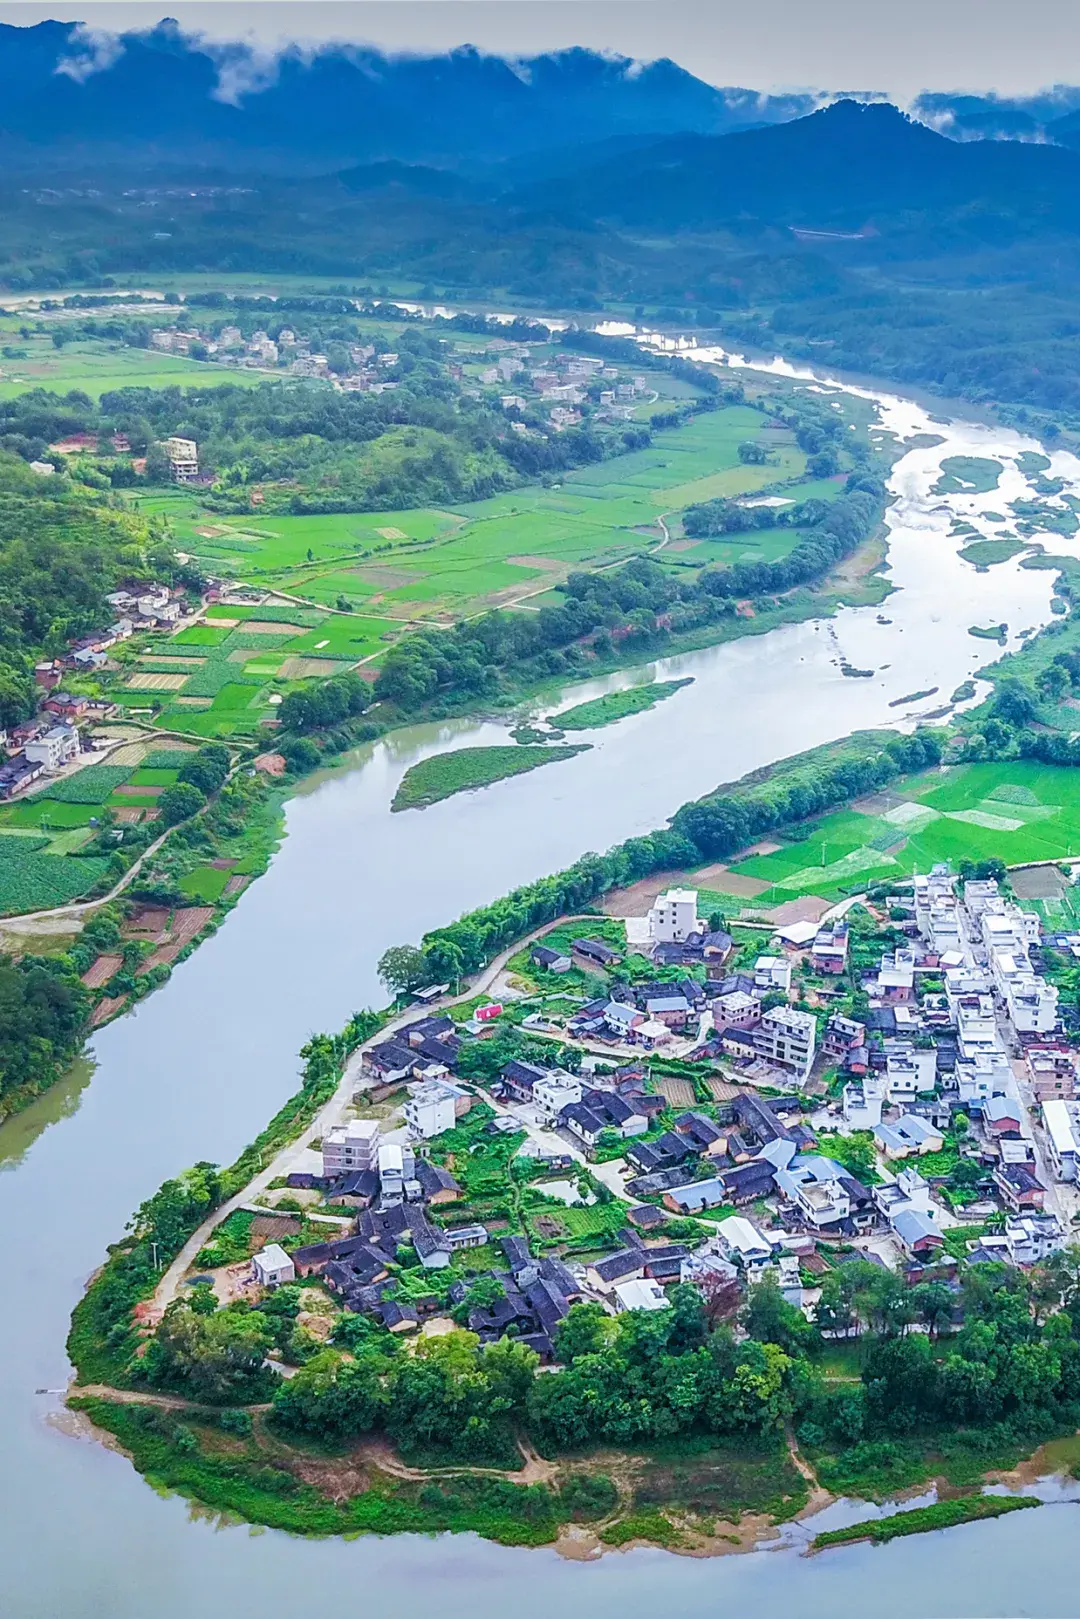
[{"x": 194, "y": 1071}]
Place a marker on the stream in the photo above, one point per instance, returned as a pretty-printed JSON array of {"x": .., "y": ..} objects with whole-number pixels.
[{"x": 195, "y": 1070}]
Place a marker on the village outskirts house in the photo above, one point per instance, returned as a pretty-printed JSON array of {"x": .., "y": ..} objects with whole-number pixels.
[{"x": 272, "y": 1267}]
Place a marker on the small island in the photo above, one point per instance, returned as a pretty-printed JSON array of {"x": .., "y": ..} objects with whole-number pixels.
[
  {"x": 618, "y": 705},
  {"x": 468, "y": 769}
]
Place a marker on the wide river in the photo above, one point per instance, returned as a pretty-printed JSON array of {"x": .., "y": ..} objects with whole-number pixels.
[{"x": 197, "y": 1069}]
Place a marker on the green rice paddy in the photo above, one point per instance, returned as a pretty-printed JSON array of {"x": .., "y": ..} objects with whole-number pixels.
[
  {"x": 1017, "y": 811},
  {"x": 440, "y": 564},
  {"x": 96, "y": 366}
]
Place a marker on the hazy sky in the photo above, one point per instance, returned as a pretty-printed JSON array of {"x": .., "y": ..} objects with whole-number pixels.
[{"x": 827, "y": 44}]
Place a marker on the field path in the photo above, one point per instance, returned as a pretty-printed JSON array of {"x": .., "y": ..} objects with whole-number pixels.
[{"x": 328, "y": 1115}]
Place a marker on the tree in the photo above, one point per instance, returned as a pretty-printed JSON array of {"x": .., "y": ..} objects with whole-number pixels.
[
  {"x": 207, "y": 768},
  {"x": 180, "y": 801},
  {"x": 217, "y": 1358},
  {"x": 752, "y": 454},
  {"x": 586, "y": 1330},
  {"x": 403, "y": 968},
  {"x": 333, "y": 1397},
  {"x": 769, "y": 1318}
]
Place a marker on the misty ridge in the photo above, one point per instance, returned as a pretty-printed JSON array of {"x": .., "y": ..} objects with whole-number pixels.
[{"x": 937, "y": 245}]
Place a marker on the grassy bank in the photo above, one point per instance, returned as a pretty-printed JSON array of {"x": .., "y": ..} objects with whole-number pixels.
[
  {"x": 617, "y": 705},
  {"x": 445, "y": 774},
  {"x": 920, "y": 1520}
]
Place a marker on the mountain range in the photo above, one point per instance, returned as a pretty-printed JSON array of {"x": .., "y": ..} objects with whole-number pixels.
[
  {"x": 163, "y": 97},
  {"x": 74, "y": 98}
]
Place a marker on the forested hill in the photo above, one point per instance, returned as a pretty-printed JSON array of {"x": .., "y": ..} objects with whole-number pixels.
[
  {"x": 848, "y": 165},
  {"x": 67, "y": 98}
]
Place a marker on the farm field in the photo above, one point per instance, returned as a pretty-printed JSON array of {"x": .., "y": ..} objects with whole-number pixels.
[
  {"x": 97, "y": 367},
  {"x": 442, "y": 565},
  {"x": 220, "y": 678},
  {"x": 1017, "y": 811}
]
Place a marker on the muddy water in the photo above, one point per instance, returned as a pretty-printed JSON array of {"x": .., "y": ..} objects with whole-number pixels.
[{"x": 195, "y": 1070}]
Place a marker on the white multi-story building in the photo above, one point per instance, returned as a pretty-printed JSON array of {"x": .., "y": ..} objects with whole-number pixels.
[
  {"x": 674, "y": 917},
  {"x": 772, "y": 972},
  {"x": 556, "y": 1091},
  {"x": 936, "y": 910},
  {"x": 862, "y": 1103},
  {"x": 787, "y": 1037},
  {"x": 352, "y": 1146},
  {"x": 909, "y": 1071},
  {"x": 816, "y": 1187},
  {"x": 1062, "y": 1121},
  {"x": 183, "y": 458},
  {"x": 984, "y": 1074},
  {"x": 430, "y": 1109},
  {"x": 55, "y": 748}
]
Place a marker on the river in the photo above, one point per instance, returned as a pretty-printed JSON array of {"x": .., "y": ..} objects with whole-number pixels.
[{"x": 194, "y": 1071}]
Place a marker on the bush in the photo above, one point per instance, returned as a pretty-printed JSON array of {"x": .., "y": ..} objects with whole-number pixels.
[{"x": 179, "y": 802}]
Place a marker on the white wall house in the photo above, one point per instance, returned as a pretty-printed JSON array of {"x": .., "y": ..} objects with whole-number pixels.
[
  {"x": 788, "y": 1038},
  {"x": 352, "y": 1146},
  {"x": 55, "y": 748},
  {"x": 273, "y": 1267},
  {"x": 1062, "y": 1138},
  {"x": 430, "y": 1109},
  {"x": 674, "y": 917}
]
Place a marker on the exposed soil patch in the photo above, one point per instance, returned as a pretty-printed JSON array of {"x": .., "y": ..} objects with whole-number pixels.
[
  {"x": 139, "y": 792},
  {"x": 148, "y": 922},
  {"x": 163, "y": 956},
  {"x": 235, "y": 884},
  {"x": 679, "y": 1092},
  {"x": 638, "y": 897},
  {"x": 809, "y": 908},
  {"x": 101, "y": 971},
  {"x": 188, "y": 922},
  {"x": 105, "y": 1009},
  {"x": 259, "y": 626},
  {"x": 307, "y": 668},
  {"x": 144, "y": 682},
  {"x": 1038, "y": 882},
  {"x": 271, "y": 764},
  {"x": 742, "y": 887}
]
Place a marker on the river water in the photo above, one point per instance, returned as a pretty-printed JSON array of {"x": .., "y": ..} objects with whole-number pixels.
[{"x": 194, "y": 1071}]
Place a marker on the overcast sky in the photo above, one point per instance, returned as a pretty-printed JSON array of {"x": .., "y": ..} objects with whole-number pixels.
[{"x": 826, "y": 44}]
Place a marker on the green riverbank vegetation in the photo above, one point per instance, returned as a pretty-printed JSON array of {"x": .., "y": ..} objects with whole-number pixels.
[
  {"x": 466, "y": 770},
  {"x": 616, "y": 705},
  {"x": 920, "y": 1520}
]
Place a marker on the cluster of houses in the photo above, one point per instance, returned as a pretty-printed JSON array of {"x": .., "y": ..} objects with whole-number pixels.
[
  {"x": 960, "y": 1026},
  {"x": 50, "y": 739}
]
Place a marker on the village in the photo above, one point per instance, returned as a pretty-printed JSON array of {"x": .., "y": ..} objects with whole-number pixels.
[
  {"x": 561, "y": 384},
  {"x": 499, "y": 1159}
]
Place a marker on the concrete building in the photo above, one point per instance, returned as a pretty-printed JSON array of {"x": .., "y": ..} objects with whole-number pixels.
[
  {"x": 430, "y": 1109},
  {"x": 639, "y": 1294},
  {"x": 272, "y": 1267},
  {"x": 772, "y": 972},
  {"x": 674, "y": 917},
  {"x": 55, "y": 748},
  {"x": 787, "y": 1038},
  {"x": 1062, "y": 1121},
  {"x": 183, "y": 458},
  {"x": 351, "y": 1147},
  {"x": 909, "y": 1071}
]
